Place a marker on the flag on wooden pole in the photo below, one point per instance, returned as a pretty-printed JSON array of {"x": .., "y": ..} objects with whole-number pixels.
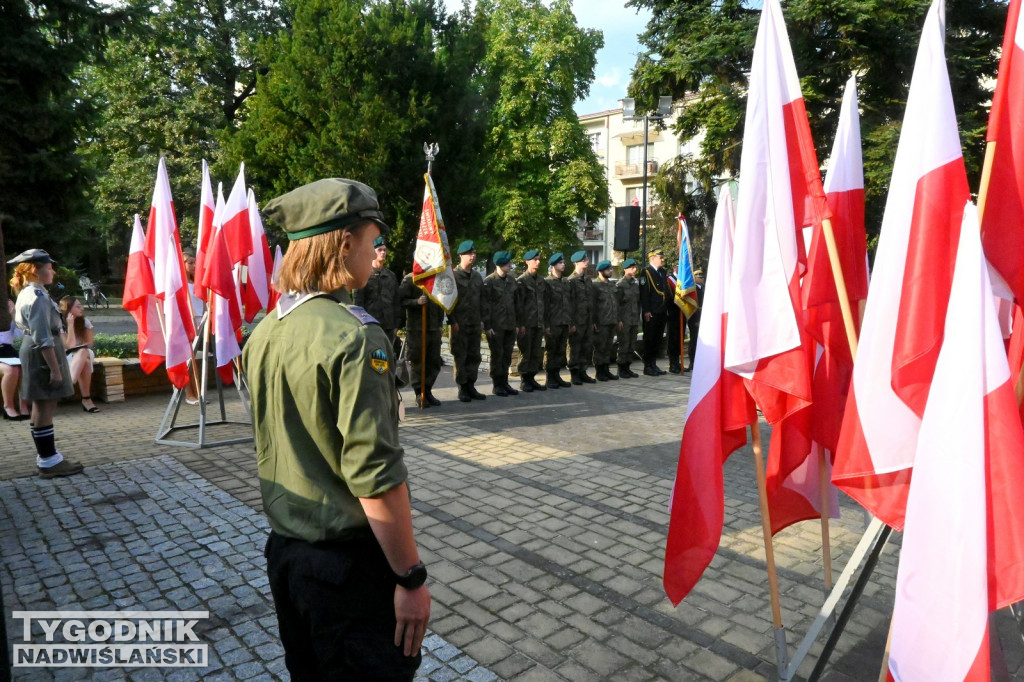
[
  {"x": 140, "y": 300},
  {"x": 206, "y": 211},
  {"x": 432, "y": 260},
  {"x": 256, "y": 295},
  {"x": 686, "y": 285}
]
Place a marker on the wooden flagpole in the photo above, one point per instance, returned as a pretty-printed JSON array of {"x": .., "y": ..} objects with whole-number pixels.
[
  {"x": 781, "y": 653},
  {"x": 423, "y": 355}
]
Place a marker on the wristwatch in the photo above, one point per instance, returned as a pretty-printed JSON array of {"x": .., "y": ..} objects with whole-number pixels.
[{"x": 415, "y": 578}]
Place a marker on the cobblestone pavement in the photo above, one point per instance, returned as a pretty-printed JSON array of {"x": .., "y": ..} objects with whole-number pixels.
[{"x": 542, "y": 518}]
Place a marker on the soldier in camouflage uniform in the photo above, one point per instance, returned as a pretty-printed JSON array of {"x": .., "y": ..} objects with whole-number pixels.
[
  {"x": 627, "y": 293},
  {"x": 557, "y": 320},
  {"x": 467, "y": 322},
  {"x": 413, "y": 299},
  {"x": 606, "y": 320},
  {"x": 581, "y": 341},
  {"x": 500, "y": 302},
  {"x": 530, "y": 315},
  {"x": 380, "y": 295}
]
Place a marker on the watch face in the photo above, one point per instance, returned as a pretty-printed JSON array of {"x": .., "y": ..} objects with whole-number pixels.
[{"x": 414, "y": 578}]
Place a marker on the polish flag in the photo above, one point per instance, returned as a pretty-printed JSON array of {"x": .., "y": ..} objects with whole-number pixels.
[
  {"x": 952, "y": 564},
  {"x": 906, "y": 309},
  {"x": 219, "y": 280},
  {"x": 163, "y": 248},
  {"x": 432, "y": 260},
  {"x": 719, "y": 410},
  {"x": 237, "y": 231},
  {"x": 206, "y": 210},
  {"x": 1002, "y": 206},
  {"x": 780, "y": 194},
  {"x": 140, "y": 300},
  {"x": 256, "y": 295},
  {"x": 275, "y": 295}
]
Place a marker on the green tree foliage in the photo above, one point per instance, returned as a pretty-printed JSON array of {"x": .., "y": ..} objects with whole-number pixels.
[
  {"x": 42, "y": 184},
  {"x": 170, "y": 86},
  {"x": 703, "y": 50},
  {"x": 541, "y": 173}
]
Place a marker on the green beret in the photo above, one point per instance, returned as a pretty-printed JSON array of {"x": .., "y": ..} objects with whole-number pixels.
[
  {"x": 466, "y": 247},
  {"x": 324, "y": 206},
  {"x": 555, "y": 257},
  {"x": 502, "y": 257},
  {"x": 578, "y": 256},
  {"x": 628, "y": 263},
  {"x": 531, "y": 254},
  {"x": 379, "y": 242},
  {"x": 604, "y": 265}
]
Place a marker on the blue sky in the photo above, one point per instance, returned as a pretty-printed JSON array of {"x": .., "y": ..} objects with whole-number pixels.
[{"x": 615, "y": 60}]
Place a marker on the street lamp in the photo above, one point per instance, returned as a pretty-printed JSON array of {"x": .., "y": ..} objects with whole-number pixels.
[{"x": 629, "y": 114}]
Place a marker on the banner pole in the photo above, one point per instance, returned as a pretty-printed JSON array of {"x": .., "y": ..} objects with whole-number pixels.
[{"x": 423, "y": 356}]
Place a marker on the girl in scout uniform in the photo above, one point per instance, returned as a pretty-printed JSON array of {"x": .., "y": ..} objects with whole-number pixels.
[
  {"x": 343, "y": 565},
  {"x": 46, "y": 378}
]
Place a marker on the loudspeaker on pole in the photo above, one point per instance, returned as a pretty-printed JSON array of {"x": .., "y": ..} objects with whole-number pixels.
[{"x": 627, "y": 228}]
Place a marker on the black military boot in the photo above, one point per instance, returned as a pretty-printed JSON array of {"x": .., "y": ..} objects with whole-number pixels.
[
  {"x": 553, "y": 381},
  {"x": 612, "y": 377},
  {"x": 431, "y": 400},
  {"x": 533, "y": 382},
  {"x": 473, "y": 393},
  {"x": 509, "y": 390},
  {"x": 499, "y": 389},
  {"x": 464, "y": 396},
  {"x": 525, "y": 385},
  {"x": 562, "y": 382},
  {"x": 586, "y": 378},
  {"x": 575, "y": 373},
  {"x": 626, "y": 373},
  {"x": 602, "y": 372}
]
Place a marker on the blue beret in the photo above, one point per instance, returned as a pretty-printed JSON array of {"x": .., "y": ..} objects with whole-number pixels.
[
  {"x": 466, "y": 247},
  {"x": 531, "y": 254},
  {"x": 604, "y": 265},
  {"x": 502, "y": 257},
  {"x": 628, "y": 263},
  {"x": 379, "y": 241},
  {"x": 555, "y": 257},
  {"x": 578, "y": 256}
]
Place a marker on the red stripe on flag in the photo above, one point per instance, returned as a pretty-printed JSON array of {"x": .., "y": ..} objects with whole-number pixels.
[{"x": 809, "y": 204}]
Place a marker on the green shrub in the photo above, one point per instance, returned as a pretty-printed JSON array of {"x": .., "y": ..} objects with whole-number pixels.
[{"x": 124, "y": 346}]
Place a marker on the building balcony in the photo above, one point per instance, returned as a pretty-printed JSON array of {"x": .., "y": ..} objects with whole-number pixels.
[
  {"x": 635, "y": 170},
  {"x": 590, "y": 235}
]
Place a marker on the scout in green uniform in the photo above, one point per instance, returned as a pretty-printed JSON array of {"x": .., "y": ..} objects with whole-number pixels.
[
  {"x": 413, "y": 299},
  {"x": 500, "y": 301},
  {"x": 581, "y": 341},
  {"x": 467, "y": 322},
  {"x": 344, "y": 569},
  {"x": 627, "y": 294},
  {"x": 606, "y": 320},
  {"x": 380, "y": 295},
  {"x": 530, "y": 314},
  {"x": 557, "y": 320}
]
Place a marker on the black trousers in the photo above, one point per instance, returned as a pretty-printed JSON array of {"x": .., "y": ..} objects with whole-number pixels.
[
  {"x": 336, "y": 610},
  {"x": 654, "y": 328}
]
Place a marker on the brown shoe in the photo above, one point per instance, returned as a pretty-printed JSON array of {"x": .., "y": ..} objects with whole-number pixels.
[{"x": 64, "y": 468}]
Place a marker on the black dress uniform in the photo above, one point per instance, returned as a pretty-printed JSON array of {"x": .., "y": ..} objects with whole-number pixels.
[{"x": 655, "y": 296}]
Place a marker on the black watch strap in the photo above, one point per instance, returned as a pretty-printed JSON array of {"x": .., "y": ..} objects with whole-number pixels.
[{"x": 415, "y": 578}]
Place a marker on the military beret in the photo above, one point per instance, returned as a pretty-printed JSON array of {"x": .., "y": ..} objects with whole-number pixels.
[
  {"x": 578, "y": 256},
  {"x": 31, "y": 256},
  {"x": 629, "y": 263},
  {"x": 466, "y": 247},
  {"x": 379, "y": 242},
  {"x": 188, "y": 251},
  {"x": 555, "y": 257},
  {"x": 531, "y": 254},
  {"x": 604, "y": 265},
  {"x": 655, "y": 252},
  {"x": 502, "y": 257},
  {"x": 324, "y": 206}
]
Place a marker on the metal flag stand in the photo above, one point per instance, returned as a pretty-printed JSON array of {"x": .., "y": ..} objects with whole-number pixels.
[{"x": 168, "y": 425}]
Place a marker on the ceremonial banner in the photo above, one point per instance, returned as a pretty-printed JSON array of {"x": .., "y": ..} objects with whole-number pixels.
[
  {"x": 432, "y": 260},
  {"x": 686, "y": 286}
]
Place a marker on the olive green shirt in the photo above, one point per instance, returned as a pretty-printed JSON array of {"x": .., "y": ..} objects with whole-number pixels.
[
  {"x": 325, "y": 415},
  {"x": 627, "y": 295}
]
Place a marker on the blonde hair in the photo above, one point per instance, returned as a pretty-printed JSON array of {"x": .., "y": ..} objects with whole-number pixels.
[
  {"x": 23, "y": 274},
  {"x": 317, "y": 263}
]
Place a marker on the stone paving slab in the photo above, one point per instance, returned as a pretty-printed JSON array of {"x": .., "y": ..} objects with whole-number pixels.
[
  {"x": 543, "y": 518},
  {"x": 119, "y": 538}
]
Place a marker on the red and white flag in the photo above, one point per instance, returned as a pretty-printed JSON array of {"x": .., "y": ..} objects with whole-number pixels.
[
  {"x": 780, "y": 194},
  {"x": 206, "y": 211},
  {"x": 432, "y": 260},
  {"x": 970, "y": 440},
  {"x": 256, "y": 295},
  {"x": 718, "y": 412},
  {"x": 163, "y": 248},
  {"x": 220, "y": 282},
  {"x": 237, "y": 231},
  {"x": 275, "y": 295},
  {"x": 140, "y": 300},
  {"x": 1002, "y": 207},
  {"x": 910, "y": 284}
]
